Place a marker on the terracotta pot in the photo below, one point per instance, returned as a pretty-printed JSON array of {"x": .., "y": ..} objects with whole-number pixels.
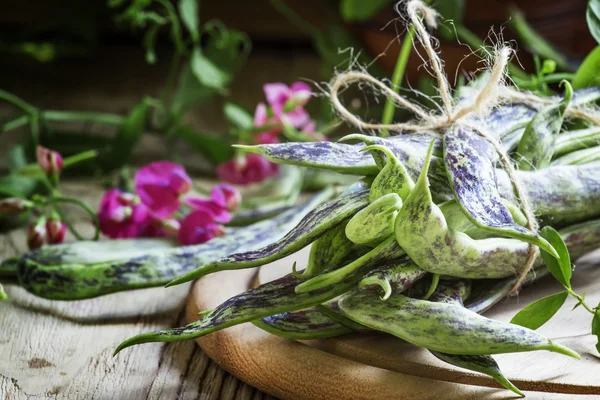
[{"x": 562, "y": 23}]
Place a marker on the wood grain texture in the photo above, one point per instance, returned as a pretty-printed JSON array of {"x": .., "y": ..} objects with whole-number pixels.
[
  {"x": 63, "y": 350},
  {"x": 382, "y": 367}
]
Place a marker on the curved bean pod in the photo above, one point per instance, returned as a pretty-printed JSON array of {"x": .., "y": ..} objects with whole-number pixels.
[
  {"x": 318, "y": 221},
  {"x": 443, "y": 327},
  {"x": 469, "y": 160},
  {"x": 330, "y": 250},
  {"x": 89, "y": 269},
  {"x": 421, "y": 230},
  {"x": 374, "y": 223},
  {"x": 392, "y": 278},
  {"x": 484, "y": 364},
  {"x": 386, "y": 253},
  {"x": 267, "y": 299},
  {"x": 306, "y": 324}
]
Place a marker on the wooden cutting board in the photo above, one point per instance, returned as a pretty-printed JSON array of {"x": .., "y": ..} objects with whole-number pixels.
[{"x": 377, "y": 366}]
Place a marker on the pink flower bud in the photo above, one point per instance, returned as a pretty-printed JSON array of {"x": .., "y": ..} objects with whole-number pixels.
[
  {"x": 226, "y": 196},
  {"x": 56, "y": 231},
  {"x": 14, "y": 205},
  {"x": 50, "y": 161},
  {"x": 36, "y": 234}
]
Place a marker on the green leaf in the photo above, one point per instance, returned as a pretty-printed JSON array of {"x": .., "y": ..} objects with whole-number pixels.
[
  {"x": 360, "y": 10},
  {"x": 559, "y": 268},
  {"x": 127, "y": 136},
  {"x": 15, "y": 158},
  {"x": 588, "y": 73},
  {"x": 188, "y": 10},
  {"x": 190, "y": 91},
  {"x": 238, "y": 116},
  {"x": 207, "y": 72},
  {"x": 215, "y": 148},
  {"x": 596, "y": 326},
  {"x": 593, "y": 18},
  {"x": 539, "y": 312}
]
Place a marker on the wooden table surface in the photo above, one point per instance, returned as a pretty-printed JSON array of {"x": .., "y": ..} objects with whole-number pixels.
[{"x": 63, "y": 350}]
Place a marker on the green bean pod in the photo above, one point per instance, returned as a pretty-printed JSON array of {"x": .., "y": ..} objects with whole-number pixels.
[
  {"x": 265, "y": 300},
  {"x": 570, "y": 141},
  {"x": 536, "y": 147},
  {"x": 470, "y": 160},
  {"x": 443, "y": 327},
  {"x": 392, "y": 278},
  {"x": 584, "y": 156},
  {"x": 421, "y": 230},
  {"x": 374, "y": 223},
  {"x": 318, "y": 221},
  {"x": 88, "y": 269},
  {"x": 385, "y": 253},
  {"x": 330, "y": 251}
]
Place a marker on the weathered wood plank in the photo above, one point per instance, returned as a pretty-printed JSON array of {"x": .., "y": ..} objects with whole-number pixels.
[{"x": 63, "y": 350}]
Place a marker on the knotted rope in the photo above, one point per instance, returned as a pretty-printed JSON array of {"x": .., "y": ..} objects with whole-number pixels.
[{"x": 488, "y": 96}]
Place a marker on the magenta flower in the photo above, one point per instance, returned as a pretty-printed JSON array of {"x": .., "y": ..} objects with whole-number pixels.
[
  {"x": 226, "y": 196},
  {"x": 217, "y": 212},
  {"x": 56, "y": 230},
  {"x": 261, "y": 117},
  {"x": 50, "y": 161},
  {"x": 251, "y": 168},
  {"x": 160, "y": 185},
  {"x": 287, "y": 102},
  {"x": 198, "y": 227},
  {"x": 161, "y": 228},
  {"x": 122, "y": 215}
]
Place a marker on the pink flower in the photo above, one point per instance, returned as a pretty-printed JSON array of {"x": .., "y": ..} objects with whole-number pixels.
[
  {"x": 36, "y": 234},
  {"x": 251, "y": 168},
  {"x": 284, "y": 98},
  {"x": 198, "y": 227},
  {"x": 122, "y": 215},
  {"x": 56, "y": 230},
  {"x": 160, "y": 184},
  {"x": 266, "y": 138},
  {"x": 261, "y": 117},
  {"x": 217, "y": 212},
  {"x": 161, "y": 228},
  {"x": 50, "y": 161},
  {"x": 226, "y": 196}
]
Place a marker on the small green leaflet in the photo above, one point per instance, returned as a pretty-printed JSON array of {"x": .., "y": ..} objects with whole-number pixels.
[
  {"x": 559, "y": 268},
  {"x": 593, "y": 18},
  {"x": 588, "y": 73},
  {"x": 539, "y": 312},
  {"x": 188, "y": 11},
  {"x": 207, "y": 72},
  {"x": 596, "y": 326},
  {"x": 237, "y": 116}
]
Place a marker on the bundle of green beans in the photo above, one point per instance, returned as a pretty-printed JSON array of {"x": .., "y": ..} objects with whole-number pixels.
[{"x": 429, "y": 237}]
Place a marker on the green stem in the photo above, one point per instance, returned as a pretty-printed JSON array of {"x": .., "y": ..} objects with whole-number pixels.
[
  {"x": 399, "y": 70},
  {"x": 474, "y": 41},
  {"x": 85, "y": 207},
  {"x": 295, "y": 18},
  {"x": 17, "y": 102},
  {"x": 35, "y": 170},
  {"x": 435, "y": 280},
  {"x": 580, "y": 300},
  {"x": 534, "y": 42},
  {"x": 15, "y": 123},
  {"x": 87, "y": 116}
]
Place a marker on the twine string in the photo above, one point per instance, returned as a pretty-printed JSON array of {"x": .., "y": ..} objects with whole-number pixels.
[{"x": 489, "y": 95}]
